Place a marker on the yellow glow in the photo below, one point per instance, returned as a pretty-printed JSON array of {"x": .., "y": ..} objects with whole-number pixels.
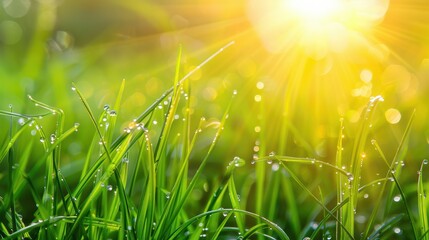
[
  {"x": 317, "y": 27},
  {"x": 314, "y": 9}
]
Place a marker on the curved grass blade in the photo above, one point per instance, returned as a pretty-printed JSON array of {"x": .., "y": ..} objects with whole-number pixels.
[
  {"x": 280, "y": 233},
  {"x": 392, "y": 169},
  {"x": 386, "y": 226},
  {"x": 421, "y": 201}
]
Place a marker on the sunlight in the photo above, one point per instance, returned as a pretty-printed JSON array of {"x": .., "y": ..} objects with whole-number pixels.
[
  {"x": 316, "y": 26},
  {"x": 315, "y": 10}
]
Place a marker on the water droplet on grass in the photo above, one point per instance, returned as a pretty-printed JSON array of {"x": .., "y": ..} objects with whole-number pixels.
[
  {"x": 425, "y": 161},
  {"x": 53, "y": 138},
  {"x": 42, "y": 139},
  {"x": 397, "y": 230},
  {"x": 73, "y": 88},
  {"x": 275, "y": 167},
  {"x": 21, "y": 121},
  {"x": 238, "y": 162},
  {"x": 109, "y": 188},
  {"x": 397, "y": 198}
]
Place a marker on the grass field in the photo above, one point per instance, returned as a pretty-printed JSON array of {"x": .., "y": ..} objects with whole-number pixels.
[{"x": 214, "y": 120}]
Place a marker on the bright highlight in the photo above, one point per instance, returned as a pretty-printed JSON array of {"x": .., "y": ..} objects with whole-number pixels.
[{"x": 309, "y": 10}]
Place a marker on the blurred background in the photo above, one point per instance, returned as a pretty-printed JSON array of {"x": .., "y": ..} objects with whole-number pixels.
[{"x": 311, "y": 71}]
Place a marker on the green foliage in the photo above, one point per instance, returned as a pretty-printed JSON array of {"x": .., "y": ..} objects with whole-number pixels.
[{"x": 139, "y": 182}]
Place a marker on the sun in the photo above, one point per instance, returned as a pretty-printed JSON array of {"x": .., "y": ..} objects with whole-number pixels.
[
  {"x": 316, "y": 27},
  {"x": 313, "y": 10}
]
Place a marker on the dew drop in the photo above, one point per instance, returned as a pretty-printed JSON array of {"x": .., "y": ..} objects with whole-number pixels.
[
  {"x": 106, "y": 107},
  {"x": 127, "y": 130},
  {"x": 109, "y": 188},
  {"x": 21, "y": 121},
  {"x": 397, "y": 230},
  {"x": 275, "y": 167},
  {"x": 112, "y": 113},
  {"x": 350, "y": 176},
  {"x": 238, "y": 162},
  {"x": 53, "y": 138},
  {"x": 234, "y": 92},
  {"x": 155, "y": 122},
  {"x": 397, "y": 198},
  {"x": 73, "y": 88},
  {"x": 425, "y": 161},
  {"x": 225, "y": 213},
  {"x": 42, "y": 139}
]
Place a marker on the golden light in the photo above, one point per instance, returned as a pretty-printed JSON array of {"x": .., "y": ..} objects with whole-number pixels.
[
  {"x": 315, "y": 10},
  {"x": 316, "y": 26}
]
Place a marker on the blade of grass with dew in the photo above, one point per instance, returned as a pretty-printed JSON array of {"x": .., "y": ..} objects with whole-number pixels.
[
  {"x": 385, "y": 226},
  {"x": 280, "y": 233},
  {"x": 357, "y": 157},
  {"x": 11, "y": 163},
  {"x": 146, "y": 214},
  {"x": 391, "y": 166},
  {"x": 403, "y": 197},
  {"x": 302, "y": 185},
  {"x": 173, "y": 205},
  {"x": 20, "y": 184},
  {"x": 53, "y": 185},
  {"x": 422, "y": 204},
  {"x": 395, "y": 166},
  {"x": 215, "y": 202},
  {"x": 160, "y": 153},
  {"x": 41, "y": 225},
  {"x": 339, "y": 183},
  {"x": 174, "y": 210},
  {"x": 421, "y": 201},
  {"x": 56, "y": 191},
  {"x": 235, "y": 201},
  {"x": 97, "y": 189},
  {"x": 112, "y": 167},
  {"x": 221, "y": 226},
  {"x": 338, "y": 207},
  {"x": 5, "y": 150},
  {"x": 253, "y": 230}
]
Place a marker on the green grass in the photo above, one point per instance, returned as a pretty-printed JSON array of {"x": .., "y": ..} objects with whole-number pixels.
[{"x": 140, "y": 182}]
